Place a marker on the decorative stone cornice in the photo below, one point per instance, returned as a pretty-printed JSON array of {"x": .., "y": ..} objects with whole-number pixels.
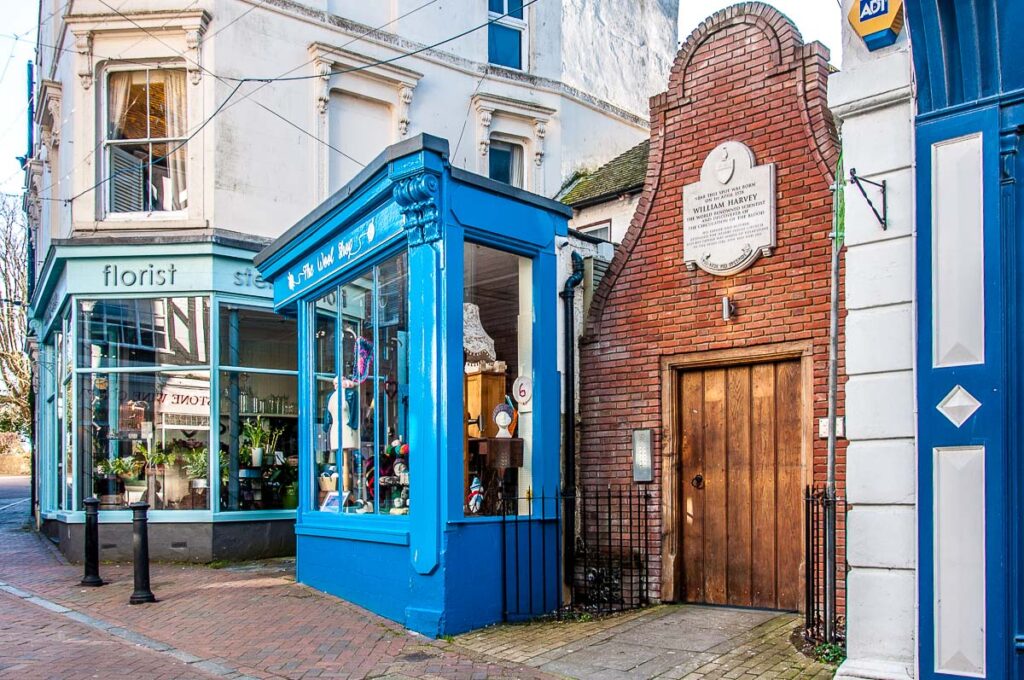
[
  {"x": 48, "y": 113},
  {"x": 189, "y": 25},
  {"x": 417, "y": 197},
  {"x": 335, "y": 65},
  {"x": 484, "y": 117},
  {"x": 489, "y": 105}
]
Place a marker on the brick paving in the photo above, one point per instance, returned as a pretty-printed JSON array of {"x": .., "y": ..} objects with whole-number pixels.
[
  {"x": 238, "y": 622},
  {"x": 670, "y": 641},
  {"x": 254, "y": 621}
]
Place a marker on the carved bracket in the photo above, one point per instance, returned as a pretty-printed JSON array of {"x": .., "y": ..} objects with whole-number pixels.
[
  {"x": 83, "y": 45},
  {"x": 323, "y": 85},
  {"x": 484, "y": 117},
  {"x": 540, "y": 131},
  {"x": 404, "y": 105},
  {"x": 193, "y": 41},
  {"x": 417, "y": 197}
]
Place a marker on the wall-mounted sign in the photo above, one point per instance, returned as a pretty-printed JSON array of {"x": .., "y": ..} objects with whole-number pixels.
[
  {"x": 522, "y": 389},
  {"x": 643, "y": 462},
  {"x": 877, "y": 22},
  {"x": 729, "y": 215},
  {"x": 354, "y": 243}
]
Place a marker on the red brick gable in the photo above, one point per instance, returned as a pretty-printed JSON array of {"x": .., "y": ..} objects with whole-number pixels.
[{"x": 744, "y": 75}]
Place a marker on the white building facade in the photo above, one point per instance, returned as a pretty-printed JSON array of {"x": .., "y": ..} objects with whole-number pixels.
[
  {"x": 175, "y": 139},
  {"x": 873, "y": 102}
]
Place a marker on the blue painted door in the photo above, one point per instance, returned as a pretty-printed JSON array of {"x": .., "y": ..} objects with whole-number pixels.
[{"x": 965, "y": 250}]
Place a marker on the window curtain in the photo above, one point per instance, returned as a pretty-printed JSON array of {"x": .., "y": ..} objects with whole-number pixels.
[
  {"x": 516, "y": 169},
  {"x": 118, "y": 89},
  {"x": 176, "y": 193}
]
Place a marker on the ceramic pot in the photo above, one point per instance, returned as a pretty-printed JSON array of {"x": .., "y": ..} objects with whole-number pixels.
[{"x": 257, "y": 456}]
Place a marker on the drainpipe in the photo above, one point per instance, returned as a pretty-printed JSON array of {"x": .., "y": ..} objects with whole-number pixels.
[
  {"x": 568, "y": 296},
  {"x": 831, "y": 505}
]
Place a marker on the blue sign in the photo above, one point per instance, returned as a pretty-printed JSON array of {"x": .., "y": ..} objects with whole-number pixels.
[
  {"x": 872, "y": 9},
  {"x": 355, "y": 243}
]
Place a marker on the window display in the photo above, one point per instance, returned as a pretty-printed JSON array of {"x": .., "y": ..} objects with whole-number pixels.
[
  {"x": 497, "y": 324},
  {"x": 360, "y": 332},
  {"x": 145, "y": 421},
  {"x": 146, "y": 436}
]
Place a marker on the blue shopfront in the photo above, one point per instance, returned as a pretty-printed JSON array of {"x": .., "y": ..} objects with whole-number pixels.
[
  {"x": 164, "y": 375},
  {"x": 429, "y": 395},
  {"x": 969, "y": 64}
]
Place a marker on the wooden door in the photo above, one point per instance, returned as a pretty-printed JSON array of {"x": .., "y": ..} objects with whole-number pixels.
[{"x": 742, "y": 528}]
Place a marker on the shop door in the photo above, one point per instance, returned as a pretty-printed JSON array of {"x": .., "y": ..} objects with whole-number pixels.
[{"x": 742, "y": 534}]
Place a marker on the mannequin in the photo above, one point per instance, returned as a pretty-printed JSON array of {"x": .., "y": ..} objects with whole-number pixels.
[{"x": 342, "y": 425}]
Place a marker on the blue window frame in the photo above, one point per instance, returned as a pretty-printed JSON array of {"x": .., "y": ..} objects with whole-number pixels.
[{"x": 506, "y": 34}]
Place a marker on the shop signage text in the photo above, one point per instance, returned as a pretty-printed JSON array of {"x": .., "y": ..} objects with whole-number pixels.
[
  {"x": 877, "y": 22},
  {"x": 117, "y": 276},
  {"x": 356, "y": 242},
  {"x": 729, "y": 215},
  {"x": 249, "y": 278}
]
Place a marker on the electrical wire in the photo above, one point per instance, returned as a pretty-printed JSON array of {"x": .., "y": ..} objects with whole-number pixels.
[{"x": 240, "y": 81}]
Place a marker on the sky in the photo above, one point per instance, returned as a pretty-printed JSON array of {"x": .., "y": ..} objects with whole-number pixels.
[
  {"x": 17, "y": 17},
  {"x": 816, "y": 19}
]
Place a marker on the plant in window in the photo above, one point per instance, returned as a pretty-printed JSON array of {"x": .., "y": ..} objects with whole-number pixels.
[
  {"x": 255, "y": 432},
  {"x": 272, "y": 438},
  {"x": 154, "y": 458},
  {"x": 124, "y": 468},
  {"x": 197, "y": 467}
]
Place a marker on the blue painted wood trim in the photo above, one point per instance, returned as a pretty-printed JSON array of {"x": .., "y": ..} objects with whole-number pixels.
[{"x": 985, "y": 381}]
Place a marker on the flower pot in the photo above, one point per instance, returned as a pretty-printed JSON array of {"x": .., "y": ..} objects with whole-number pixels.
[
  {"x": 328, "y": 483},
  {"x": 257, "y": 456},
  {"x": 290, "y": 497}
]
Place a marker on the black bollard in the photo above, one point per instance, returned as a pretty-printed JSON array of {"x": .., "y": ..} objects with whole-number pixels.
[
  {"x": 140, "y": 546},
  {"x": 92, "y": 543}
]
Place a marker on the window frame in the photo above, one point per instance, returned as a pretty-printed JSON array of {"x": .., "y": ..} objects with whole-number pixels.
[
  {"x": 504, "y": 141},
  {"x": 103, "y": 127},
  {"x": 590, "y": 229},
  {"x": 520, "y": 25}
]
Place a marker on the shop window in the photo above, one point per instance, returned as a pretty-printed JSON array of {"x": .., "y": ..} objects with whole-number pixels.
[
  {"x": 498, "y": 332},
  {"x": 145, "y": 126},
  {"x": 360, "y": 353},
  {"x": 506, "y": 163},
  {"x": 140, "y": 332},
  {"x": 146, "y": 436},
  {"x": 256, "y": 337},
  {"x": 506, "y": 34},
  {"x": 258, "y": 441},
  {"x": 259, "y": 410}
]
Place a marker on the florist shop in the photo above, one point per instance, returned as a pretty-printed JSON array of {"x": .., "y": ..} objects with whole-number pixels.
[
  {"x": 165, "y": 376},
  {"x": 428, "y": 388}
]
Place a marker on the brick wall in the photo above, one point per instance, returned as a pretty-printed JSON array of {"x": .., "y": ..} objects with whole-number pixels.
[{"x": 746, "y": 75}]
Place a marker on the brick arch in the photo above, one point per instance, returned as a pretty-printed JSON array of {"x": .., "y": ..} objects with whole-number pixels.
[
  {"x": 805, "y": 64},
  {"x": 780, "y": 31}
]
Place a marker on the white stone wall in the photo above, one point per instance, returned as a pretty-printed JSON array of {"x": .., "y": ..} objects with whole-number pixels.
[
  {"x": 258, "y": 166},
  {"x": 872, "y": 100},
  {"x": 619, "y": 211}
]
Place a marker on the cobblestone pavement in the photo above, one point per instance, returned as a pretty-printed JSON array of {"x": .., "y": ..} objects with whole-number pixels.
[
  {"x": 227, "y": 623},
  {"x": 671, "y": 641}
]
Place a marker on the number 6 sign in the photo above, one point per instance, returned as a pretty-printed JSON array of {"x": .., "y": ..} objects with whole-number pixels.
[{"x": 522, "y": 389}]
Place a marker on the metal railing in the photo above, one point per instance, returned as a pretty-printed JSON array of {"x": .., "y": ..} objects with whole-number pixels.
[
  {"x": 606, "y": 569},
  {"x": 820, "y": 512}
]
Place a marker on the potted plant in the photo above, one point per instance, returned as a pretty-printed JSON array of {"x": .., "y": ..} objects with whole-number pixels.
[
  {"x": 116, "y": 471},
  {"x": 155, "y": 460},
  {"x": 197, "y": 467},
  {"x": 286, "y": 480},
  {"x": 256, "y": 435},
  {"x": 273, "y": 438}
]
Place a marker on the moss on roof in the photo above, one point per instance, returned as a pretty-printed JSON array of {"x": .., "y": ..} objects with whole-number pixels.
[{"x": 618, "y": 176}]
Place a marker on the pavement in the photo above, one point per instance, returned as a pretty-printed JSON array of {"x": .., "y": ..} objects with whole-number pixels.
[{"x": 253, "y": 621}]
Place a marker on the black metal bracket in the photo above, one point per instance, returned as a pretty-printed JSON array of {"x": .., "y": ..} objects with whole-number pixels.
[{"x": 883, "y": 219}]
